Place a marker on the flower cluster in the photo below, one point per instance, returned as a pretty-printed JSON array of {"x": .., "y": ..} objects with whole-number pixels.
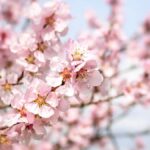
[
  {"x": 43, "y": 73},
  {"x": 66, "y": 93}
]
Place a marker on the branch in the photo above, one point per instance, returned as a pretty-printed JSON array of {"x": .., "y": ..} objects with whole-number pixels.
[
  {"x": 108, "y": 128},
  {"x": 108, "y": 99},
  {"x": 121, "y": 135},
  {"x": 131, "y": 134}
]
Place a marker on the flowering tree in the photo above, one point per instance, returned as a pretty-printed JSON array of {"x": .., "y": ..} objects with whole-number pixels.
[{"x": 63, "y": 94}]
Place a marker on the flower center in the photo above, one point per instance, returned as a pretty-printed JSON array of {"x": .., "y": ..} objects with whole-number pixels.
[
  {"x": 50, "y": 21},
  {"x": 77, "y": 55},
  {"x": 82, "y": 74},
  {"x": 66, "y": 74},
  {"x": 7, "y": 87},
  {"x": 30, "y": 59},
  {"x": 41, "y": 46},
  {"x": 4, "y": 139},
  {"x": 40, "y": 100},
  {"x": 29, "y": 127}
]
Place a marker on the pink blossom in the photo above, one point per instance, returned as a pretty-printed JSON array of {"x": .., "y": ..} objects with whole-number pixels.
[
  {"x": 8, "y": 85},
  {"x": 58, "y": 93},
  {"x": 33, "y": 53},
  {"x": 52, "y": 19},
  {"x": 87, "y": 77},
  {"x": 78, "y": 52},
  {"x": 10, "y": 11},
  {"x": 37, "y": 99},
  {"x": 93, "y": 21},
  {"x": 60, "y": 72}
]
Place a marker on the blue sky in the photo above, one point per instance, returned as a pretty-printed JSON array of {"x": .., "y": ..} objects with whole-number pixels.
[{"x": 134, "y": 10}]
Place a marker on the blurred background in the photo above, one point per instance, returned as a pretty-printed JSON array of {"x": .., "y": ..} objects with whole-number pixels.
[{"x": 135, "y": 12}]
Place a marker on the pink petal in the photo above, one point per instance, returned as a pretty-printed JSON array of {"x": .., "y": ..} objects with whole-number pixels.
[
  {"x": 95, "y": 78},
  {"x": 57, "y": 64},
  {"x": 85, "y": 92},
  {"x": 54, "y": 118},
  {"x": 43, "y": 89},
  {"x": 32, "y": 107},
  {"x": 6, "y": 97},
  {"x": 40, "y": 56},
  {"x": 54, "y": 81},
  {"x": 91, "y": 63},
  {"x": 12, "y": 78},
  {"x": 32, "y": 68},
  {"x": 64, "y": 105},
  {"x": 60, "y": 26},
  {"x": 30, "y": 117},
  {"x": 39, "y": 129},
  {"x": 17, "y": 101},
  {"x": 67, "y": 90},
  {"x": 46, "y": 111},
  {"x": 52, "y": 100},
  {"x": 30, "y": 95}
]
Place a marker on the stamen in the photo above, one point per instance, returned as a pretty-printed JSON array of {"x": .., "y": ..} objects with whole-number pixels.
[
  {"x": 4, "y": 139},
  {"x": 77, "y": 55},
  {"x": 40, "y": 100},
  {"x": 82, "y": 74},
  {"x": 30, "y": 59},
  {"x": 41, "y": 46},
  {"x": 7, "y": 87},
  {"x": 49, "y": 21},
  {"x": 66, "y": 74}
]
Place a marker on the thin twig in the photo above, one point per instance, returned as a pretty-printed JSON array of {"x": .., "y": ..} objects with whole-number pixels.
[
  {"x": 108, "y": 99},
  {"x": 132, "y": 134}
]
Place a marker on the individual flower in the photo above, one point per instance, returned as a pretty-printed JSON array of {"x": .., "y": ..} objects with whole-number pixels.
[
  {"x": 32, "y": 51},
  {"x": 41, "y": 101},
  {"x": 52, "y": 19},
  {"x": 8, "y": 85},
  {"x": 78, "y": 52},
  {"x": 11, "y": 11},
  {"x": 37, "y": 100},
  {"x": 22, "y": 115},
  {"x": 60, "y": 72},
  {"x": 87, "y": 77}
]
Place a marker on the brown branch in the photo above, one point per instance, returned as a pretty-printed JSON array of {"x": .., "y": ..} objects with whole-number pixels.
[
  {"x": 108, "y": 99},
  {"x": 6, "y": 128}
]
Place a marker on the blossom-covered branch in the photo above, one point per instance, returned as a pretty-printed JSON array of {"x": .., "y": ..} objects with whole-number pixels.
[{"x": 47, "y": 81}]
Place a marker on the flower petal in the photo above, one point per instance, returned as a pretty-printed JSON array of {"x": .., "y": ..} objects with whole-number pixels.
[
  {"x": 32, "y": 107},
  {"x": 95, "y": 78},
  {"x": 46, "y": 111},
  {"x": 64, "y": 105},
  {"x": 54, "y": 80}
]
